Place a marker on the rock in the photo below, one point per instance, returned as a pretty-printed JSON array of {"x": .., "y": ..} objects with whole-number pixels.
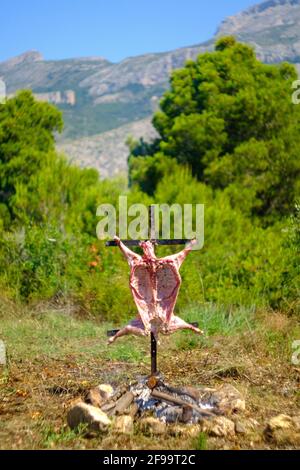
[
  {"x": 253, "y": 424},
  {"x": 280, "y": 422},
  {"x": 94, "y": 397},
  {"x": 150, "y": 426},
  {"x": 227, "y": 399},
  {"x": 74, "y": 402},
  {"x": 186, "y": 431},
  {"x": 124, "y": 424},
  {"x": 283, "y": 429},
  {"x": 218, "y": 427},
  {"x": 2, "y": 354},
  {"x": 82, "y": 413},
  {"x": 106, "y": 390},
  {"x": 240, "y": 428},
  {"x": 246, "y": 426},
  {"x": 99, "y": 395},
  {"x": 296, "y": 421}
]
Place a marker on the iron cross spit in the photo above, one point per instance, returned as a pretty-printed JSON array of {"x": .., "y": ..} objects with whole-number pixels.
[{"x": 154, "y": 283}]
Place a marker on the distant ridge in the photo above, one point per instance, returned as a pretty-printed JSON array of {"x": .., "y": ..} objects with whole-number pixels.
[{"x": 25, "y": 58}]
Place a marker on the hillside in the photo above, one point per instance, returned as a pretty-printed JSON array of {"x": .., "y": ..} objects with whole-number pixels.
[
  {"x": 272, "y": 27},
  {"x": 107, "y": 152},
  {"x": 97, "y": 96},
  {"x": 104, "y": 95}
]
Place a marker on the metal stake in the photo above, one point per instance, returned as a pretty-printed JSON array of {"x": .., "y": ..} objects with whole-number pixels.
[
  {"x": 153, "y": 355},
  {"x": 153, "y": 346}
]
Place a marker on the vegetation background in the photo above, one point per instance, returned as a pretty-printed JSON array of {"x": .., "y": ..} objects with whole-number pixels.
[{"x": 228, "y": 138}]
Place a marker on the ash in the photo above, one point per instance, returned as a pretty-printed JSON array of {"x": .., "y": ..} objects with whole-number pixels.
[{"x": 169, "y": 412}]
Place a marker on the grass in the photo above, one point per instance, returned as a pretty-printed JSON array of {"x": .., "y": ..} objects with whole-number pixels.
[
  {"x": 52, "y": 438},
  {"x": 55, "y": 333},
  {"x": 54, "y": 358},
  {"x": 200, "y": 442},
  {"x": 215, "y": 319}
]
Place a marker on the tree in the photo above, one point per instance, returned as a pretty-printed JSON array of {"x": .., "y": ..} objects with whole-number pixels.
[
  {"x": 230, "y": 118},
  {"x": 27, "y": 143}
]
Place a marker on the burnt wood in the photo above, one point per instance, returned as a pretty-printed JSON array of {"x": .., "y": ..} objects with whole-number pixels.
[
  {"x": 161, "y": 396},
  {"x": 124, "y": 402}
]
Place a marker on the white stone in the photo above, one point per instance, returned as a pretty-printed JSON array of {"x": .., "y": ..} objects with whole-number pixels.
[
  {"x": 151, "y": 426},
  {"x": 99, "y": 395},
  {"x": 82, "y": 413},
  {"x": 106, "y": 391},
  {"x": 218, "y": 427},
  {"x": 187, "y": 431},
  {"x": 227, "y": 398},
  {"x": 283, "y": 429},
  {"x": 124, "y": 424},
  {"x": 280, "y": 422}
]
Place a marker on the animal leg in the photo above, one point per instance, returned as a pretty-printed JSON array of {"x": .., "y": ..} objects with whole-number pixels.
[
  {"x": 179, "y": 324},
  {"x": 130, "y": 255},
  {"x": 135, "y": 327},
  {"x": 179, "y": 258}
]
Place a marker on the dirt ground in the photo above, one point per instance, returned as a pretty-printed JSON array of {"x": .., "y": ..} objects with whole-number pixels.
[{"x": 36, "y": 392}]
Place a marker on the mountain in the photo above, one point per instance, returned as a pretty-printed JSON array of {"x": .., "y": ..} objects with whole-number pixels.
[
  {"x": 103, "y": 101},
  {"x": 107, "y": 152},
  {"x": 95, "y": 94},
  {"x": 272, "y": 27}
]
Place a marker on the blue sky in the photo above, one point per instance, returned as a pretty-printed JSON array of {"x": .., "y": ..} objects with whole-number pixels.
[{"x": 114, "y": 29}]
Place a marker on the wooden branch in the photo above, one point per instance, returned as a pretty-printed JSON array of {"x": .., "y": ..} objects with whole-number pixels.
[
  {"x": 133, "y": 410},
  {"x": 108, "y": 407},
  {"x": 178, "y": 401},
  {"x": 181, "y": 391},
  {"x": 119, "y": 392},
  {"x": 187, "y": 413},
  {"x": 124, "y": 402}
]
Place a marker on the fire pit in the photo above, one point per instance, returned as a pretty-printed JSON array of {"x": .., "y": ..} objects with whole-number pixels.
[
  {"x": 156, "y": 407},
  {"x": 167, "y": 403}
]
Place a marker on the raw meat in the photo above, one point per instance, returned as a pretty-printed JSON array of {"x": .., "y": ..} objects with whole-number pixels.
[{"x": 154, "y": 283}]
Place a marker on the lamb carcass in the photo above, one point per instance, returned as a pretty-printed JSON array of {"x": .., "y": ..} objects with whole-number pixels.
[{"x": 154, "y": 283}]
